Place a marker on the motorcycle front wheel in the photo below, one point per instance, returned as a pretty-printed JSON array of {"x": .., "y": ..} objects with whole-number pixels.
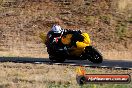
[{"x": 93, "y": 55}]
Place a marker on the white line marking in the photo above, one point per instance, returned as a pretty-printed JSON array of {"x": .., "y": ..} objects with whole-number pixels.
[
  {"x": 104, "y": 66},
  {"x": 117, "y": 67},
  {"x": 87, "y": 65}
]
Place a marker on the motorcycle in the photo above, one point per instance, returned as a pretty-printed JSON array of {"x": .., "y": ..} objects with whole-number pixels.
[{"x": 74, "y": 49}]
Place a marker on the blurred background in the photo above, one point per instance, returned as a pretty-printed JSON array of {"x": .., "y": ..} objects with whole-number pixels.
[{"x": 108, "y": 22}]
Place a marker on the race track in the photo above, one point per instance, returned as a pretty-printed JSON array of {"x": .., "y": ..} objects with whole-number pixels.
[{"x": 116, "y": 64}]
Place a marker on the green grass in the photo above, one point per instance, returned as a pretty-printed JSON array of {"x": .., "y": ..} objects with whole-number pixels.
[
  {"x": 105, "y": 19},
  {"x": 121, "y": 29},
  {"x": 90, "y": 20},
  {"x": 42, "y": 36},
  {"x": 53, "y": 85},
  {"x": 19, "y": 75},
  {"x": 106, "y": 86},
  {"x": 130, "y": 19}
]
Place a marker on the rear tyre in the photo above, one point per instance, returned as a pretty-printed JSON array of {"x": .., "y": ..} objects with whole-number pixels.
[{"x": 93, "y": 55}]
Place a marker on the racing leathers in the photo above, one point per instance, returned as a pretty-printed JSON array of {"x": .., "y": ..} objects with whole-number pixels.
[{"x": 54, "y": 44}]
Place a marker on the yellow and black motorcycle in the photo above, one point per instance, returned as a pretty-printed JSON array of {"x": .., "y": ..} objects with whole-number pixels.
[{"x": 76, "y": 48}]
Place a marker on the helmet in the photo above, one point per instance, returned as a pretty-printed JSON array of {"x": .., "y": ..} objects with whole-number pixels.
[{"x": 56, "y": 30}]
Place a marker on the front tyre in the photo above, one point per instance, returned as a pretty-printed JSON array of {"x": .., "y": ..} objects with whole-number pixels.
[{"x": 93, "y": 55}]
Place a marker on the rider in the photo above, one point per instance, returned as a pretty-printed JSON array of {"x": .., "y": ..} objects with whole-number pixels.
[{"x": 55, "y": 34}]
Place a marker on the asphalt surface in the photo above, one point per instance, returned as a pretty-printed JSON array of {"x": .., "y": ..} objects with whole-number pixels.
[{"x": 117, "y": 64}]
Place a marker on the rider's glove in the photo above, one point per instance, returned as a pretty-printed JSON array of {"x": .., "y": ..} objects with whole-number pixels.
[{"x": 79, "y": 31}]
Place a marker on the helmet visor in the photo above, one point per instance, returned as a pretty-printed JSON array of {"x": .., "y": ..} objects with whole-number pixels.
[{"x": 56, "y": 35}]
